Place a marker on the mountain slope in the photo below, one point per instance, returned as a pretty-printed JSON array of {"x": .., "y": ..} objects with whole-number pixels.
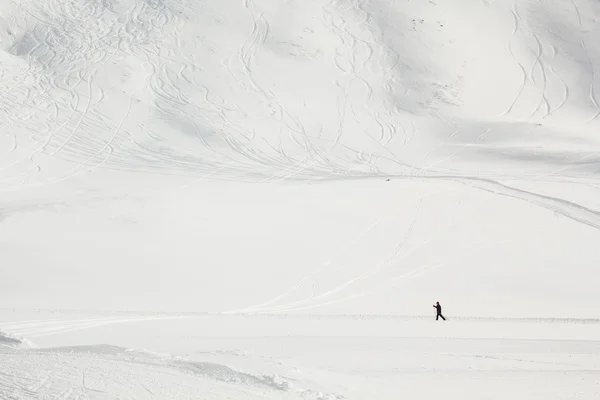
[
  {"x": 233, "y": 156},
  {"x": 272, "y": 194}
]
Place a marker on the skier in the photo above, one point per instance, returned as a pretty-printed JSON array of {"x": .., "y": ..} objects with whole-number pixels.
[{"x": 439, "y": 311}]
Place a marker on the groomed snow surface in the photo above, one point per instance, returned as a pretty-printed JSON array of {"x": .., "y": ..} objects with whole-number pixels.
[{"x": 263, "y": 199}]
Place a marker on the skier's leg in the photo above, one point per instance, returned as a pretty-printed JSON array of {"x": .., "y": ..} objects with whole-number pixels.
[
  {"x": 437, "y": 316},
  {"x": 442, "y": 317}
]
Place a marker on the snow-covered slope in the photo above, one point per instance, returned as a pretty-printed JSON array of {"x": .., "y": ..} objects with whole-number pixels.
[
  {"x": 204, "y": 155},
  {"x": 327, "y": 158}
]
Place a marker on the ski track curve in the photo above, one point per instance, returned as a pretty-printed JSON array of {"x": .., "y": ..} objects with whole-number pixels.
[
  {"x": 565, "y": 98},
  {"x": 516, "y": 19},
  {"x": 566, "y": 208},
  {"x": 393, "y": 257},
  {"x": 539, "y": 62},
  {"x": 343, "y": 250},
  {"x": 592, "y": 89}
]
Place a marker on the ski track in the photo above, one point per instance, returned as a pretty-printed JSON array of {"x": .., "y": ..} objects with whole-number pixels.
[
  {"x": 392, "y": 258},
  {"x": 357, "y": 62},
  {"x": 567, "y": 167},
  {"x": 377, "y": 287},
  {"x": 352, "y": 58},
  {"x": 563, "y": 83},
  {"x": 592, "y": 92},
  {"x": 422, "y": 172},
  {"x": 566, "y": 208},
  {"x": 347, "y": 247},
  {"x": 74, "y": 103},
  {"x": 516, "y": 19},
  {"x": 409, "y": 172},
  {"x": 538, "y": 62}
]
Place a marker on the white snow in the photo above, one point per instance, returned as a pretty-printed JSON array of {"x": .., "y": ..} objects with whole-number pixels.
[{"x": 263, "y": 199}]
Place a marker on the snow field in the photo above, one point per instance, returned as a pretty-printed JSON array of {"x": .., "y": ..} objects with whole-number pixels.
[{"x": 262, "y": 199}]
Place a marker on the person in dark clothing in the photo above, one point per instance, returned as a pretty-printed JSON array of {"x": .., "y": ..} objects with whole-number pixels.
[{"x": 439, "y": 311}]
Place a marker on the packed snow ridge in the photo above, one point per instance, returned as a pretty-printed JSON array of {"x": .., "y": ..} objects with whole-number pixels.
[{"x": 290, "y": 179}]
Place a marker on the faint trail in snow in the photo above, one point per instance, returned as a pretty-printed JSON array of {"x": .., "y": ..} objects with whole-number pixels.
[
  {"x": 43, "y": 381},
  {"x": 294, "y": 307},
  {"x": 567, "y": 167},
  {"x": 396, "y": 253},
  {"x": 431, "y": 150},
  {"x": 577, "y": 12},
  {"x": 295, "y": 129},
  {"x": 348, "y": 58},
  {"x": 313, "y": 274},
  {"x": 74, "y": 38},
  {"x": 316, "y": 157},
  {"x": 375, "y": 289},
  {"x": 85, "y": 112},
  {"x": 77, "y": 169},
  {"x": 538, "y": 62},
  {"x": 566, "y": 208},
  {"x": 461, "y": 148},
  {"x": 516, "y": 19},
  {"x": 566, "y": 88},
  {"x": 214, "y": 172},
  {"x": 592, "y": 92},
  {"x": 84, "y": 389},
  {"x": 117, "y": 130},
  {"x": 395, "y": 257},
  {"x": 367, "y": 274}
]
